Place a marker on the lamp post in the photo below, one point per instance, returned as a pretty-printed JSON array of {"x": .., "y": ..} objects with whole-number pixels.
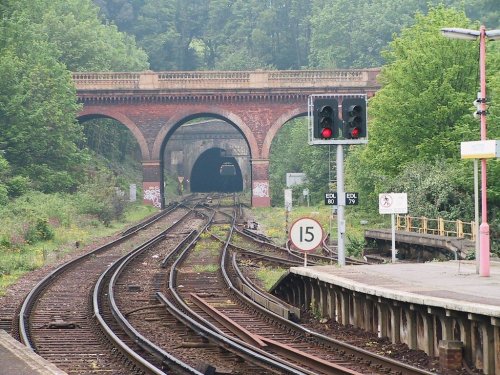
[{"x": 484, "y": 229}]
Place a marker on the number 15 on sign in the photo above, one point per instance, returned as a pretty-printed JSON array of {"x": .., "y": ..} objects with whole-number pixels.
[{"x": 306, "y": 234}]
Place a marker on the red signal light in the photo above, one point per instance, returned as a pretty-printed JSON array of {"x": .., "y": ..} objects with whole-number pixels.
[
  {"x": 355, "y": 133},
  {"x": 325, "y": 121},
  {"x": 326, "y": 133}
]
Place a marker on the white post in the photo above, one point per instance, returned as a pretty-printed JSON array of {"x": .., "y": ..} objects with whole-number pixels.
[
  {"x": 305, "y": 259},
  {"x": 341, "y": 205},
  {"x": 393, "y": 222},
  {"x": 132, "y": 192}
]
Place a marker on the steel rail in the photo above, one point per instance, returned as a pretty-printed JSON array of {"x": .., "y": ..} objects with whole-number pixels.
[
  {"x": 255, "y": 254},
  {"x": 334, "y": 255},
  {"x": 288, "y": 352},
  {"x": 139, "y": 339},
  {"x": 98, "y": 289},
  {"x": 328, "y": 341},
  {"x": 212, "y": 333},
  {"x": 267, "y": 300},
  {"x": 30, "y": 299}
]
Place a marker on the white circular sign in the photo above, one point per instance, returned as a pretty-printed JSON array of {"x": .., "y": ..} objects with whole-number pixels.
[
  {"x": 306, "y": 234},
  {"x": 385, "y": 200}
]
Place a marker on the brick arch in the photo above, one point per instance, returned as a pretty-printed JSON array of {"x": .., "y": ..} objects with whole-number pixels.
[
  {"x": 90, "y": 113},
  {"x": 284, "y": 118},
  {"x": 218, "y": 113}
]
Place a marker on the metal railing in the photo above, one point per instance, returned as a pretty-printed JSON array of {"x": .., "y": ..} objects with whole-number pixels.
[{"x": 439, "y": 226}]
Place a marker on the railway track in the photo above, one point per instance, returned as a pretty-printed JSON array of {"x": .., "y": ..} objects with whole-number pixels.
[
  {"x": 267, "y": 247},
  {"x": 171, "y": 297},
  {"x": 182, "y": 350},
  {"x": 212, "y": 298},
  {"x": 57, "y": 320}
]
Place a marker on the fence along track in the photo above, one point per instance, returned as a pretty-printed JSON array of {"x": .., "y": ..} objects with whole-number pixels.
[{"x": 56, "y": 318}]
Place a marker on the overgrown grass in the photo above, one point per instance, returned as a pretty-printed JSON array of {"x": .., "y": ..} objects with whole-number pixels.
[
  {"x": 270, "y": 275},
  {"x": 40, "y": 228},
  {"x": 220, "y": 230},
  {"x": 207, "y": 246},
  {"x": 273, "y": 223},
  {"x": 209, "y": 268}
]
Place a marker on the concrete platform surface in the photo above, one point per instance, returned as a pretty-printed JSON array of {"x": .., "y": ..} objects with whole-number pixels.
[
  {"x": 451, "y": 285},
  {"x": 16, "y": 359}
]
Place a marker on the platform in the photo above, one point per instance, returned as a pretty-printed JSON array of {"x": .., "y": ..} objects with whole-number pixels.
[
  {"x": 419, "y": 304},
  {"x": 17, "y": 359},
  {"x": 453, "y": 285}
]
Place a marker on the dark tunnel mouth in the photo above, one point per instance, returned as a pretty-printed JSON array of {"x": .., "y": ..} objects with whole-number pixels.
[{"x": 205, "y": 175}]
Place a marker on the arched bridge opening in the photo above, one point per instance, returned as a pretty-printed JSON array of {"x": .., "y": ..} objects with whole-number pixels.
[
  {"x": 152, "y": 105},
  {"x": 214, "y": 171}
]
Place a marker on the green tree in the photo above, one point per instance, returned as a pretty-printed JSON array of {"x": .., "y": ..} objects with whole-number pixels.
[
  {"x": 343, "y": 34},
  {"x": 82, "y": 41},
  {"x": 424, "y": 107},
  {"x": 37, "y": 117},
  {"x": 39, "y": 41},
  {"x": 420, "y": 116}
]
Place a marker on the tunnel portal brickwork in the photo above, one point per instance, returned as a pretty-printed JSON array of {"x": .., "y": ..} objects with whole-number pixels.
[{"x": 154, "y": 104}]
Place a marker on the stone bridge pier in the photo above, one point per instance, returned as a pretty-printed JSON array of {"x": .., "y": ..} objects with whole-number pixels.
[{"x": 152, "y": 105}]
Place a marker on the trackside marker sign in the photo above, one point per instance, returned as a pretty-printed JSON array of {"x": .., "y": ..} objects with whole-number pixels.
[
  {"x": 393, "y": 203},
  {"x": 306, "y": 234}
]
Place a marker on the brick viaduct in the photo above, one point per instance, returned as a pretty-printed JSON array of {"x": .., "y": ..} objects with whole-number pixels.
[{"x": 257, "y": 103}]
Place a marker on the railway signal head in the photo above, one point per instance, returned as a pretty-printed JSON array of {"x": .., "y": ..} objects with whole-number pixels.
[
  {"x": 326, "y": 118},
  {"x": 354, "y": 116}
]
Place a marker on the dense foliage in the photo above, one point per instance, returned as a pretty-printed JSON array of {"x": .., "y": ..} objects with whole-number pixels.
[
  {"x": 41, "y": 41},
  {"x": 280, "y": 34},
  {"x": 419, "y": 118},
  {"x": 290, "y": 156}
]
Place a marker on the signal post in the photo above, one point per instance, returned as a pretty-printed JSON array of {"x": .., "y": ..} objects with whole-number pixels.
[{"x": 326, "y": 128}]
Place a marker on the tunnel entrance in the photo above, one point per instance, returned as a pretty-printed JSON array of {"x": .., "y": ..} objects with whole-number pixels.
[{"x": 206, "y": 173}]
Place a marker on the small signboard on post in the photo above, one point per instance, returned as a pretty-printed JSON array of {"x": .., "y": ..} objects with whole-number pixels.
[
  {"x": 393, "y": 203},
  {"x": 489, "y": 149},
  {"x": 351, "y": 199},
  {"x": 306, "y": 234},
  {"x": 331, "y": 199},
  {"x": 293, "y": 179}
]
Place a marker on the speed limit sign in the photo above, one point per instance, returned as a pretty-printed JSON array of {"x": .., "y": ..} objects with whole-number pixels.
[{"x": 306, "y": 234}]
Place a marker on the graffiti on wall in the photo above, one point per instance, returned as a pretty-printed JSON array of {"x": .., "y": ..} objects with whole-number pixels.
[
  {"x": 152, "y": 195},
  {"x": 260, "y": 189}
]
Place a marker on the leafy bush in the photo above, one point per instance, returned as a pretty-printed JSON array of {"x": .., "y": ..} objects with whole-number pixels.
[
  {"x": 41, "y": 231},
  {"x": 355, "y": 246},
  {"x": 4, "y": 195},
  {"x": 98, "y": 196},
  {"x": 51, "y": 181},
  {"x": 16, "y": 261},
  {"x": 18, "y": 185}
]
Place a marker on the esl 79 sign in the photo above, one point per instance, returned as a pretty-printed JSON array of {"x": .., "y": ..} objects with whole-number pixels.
[{"x": 306, "y": 234}]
